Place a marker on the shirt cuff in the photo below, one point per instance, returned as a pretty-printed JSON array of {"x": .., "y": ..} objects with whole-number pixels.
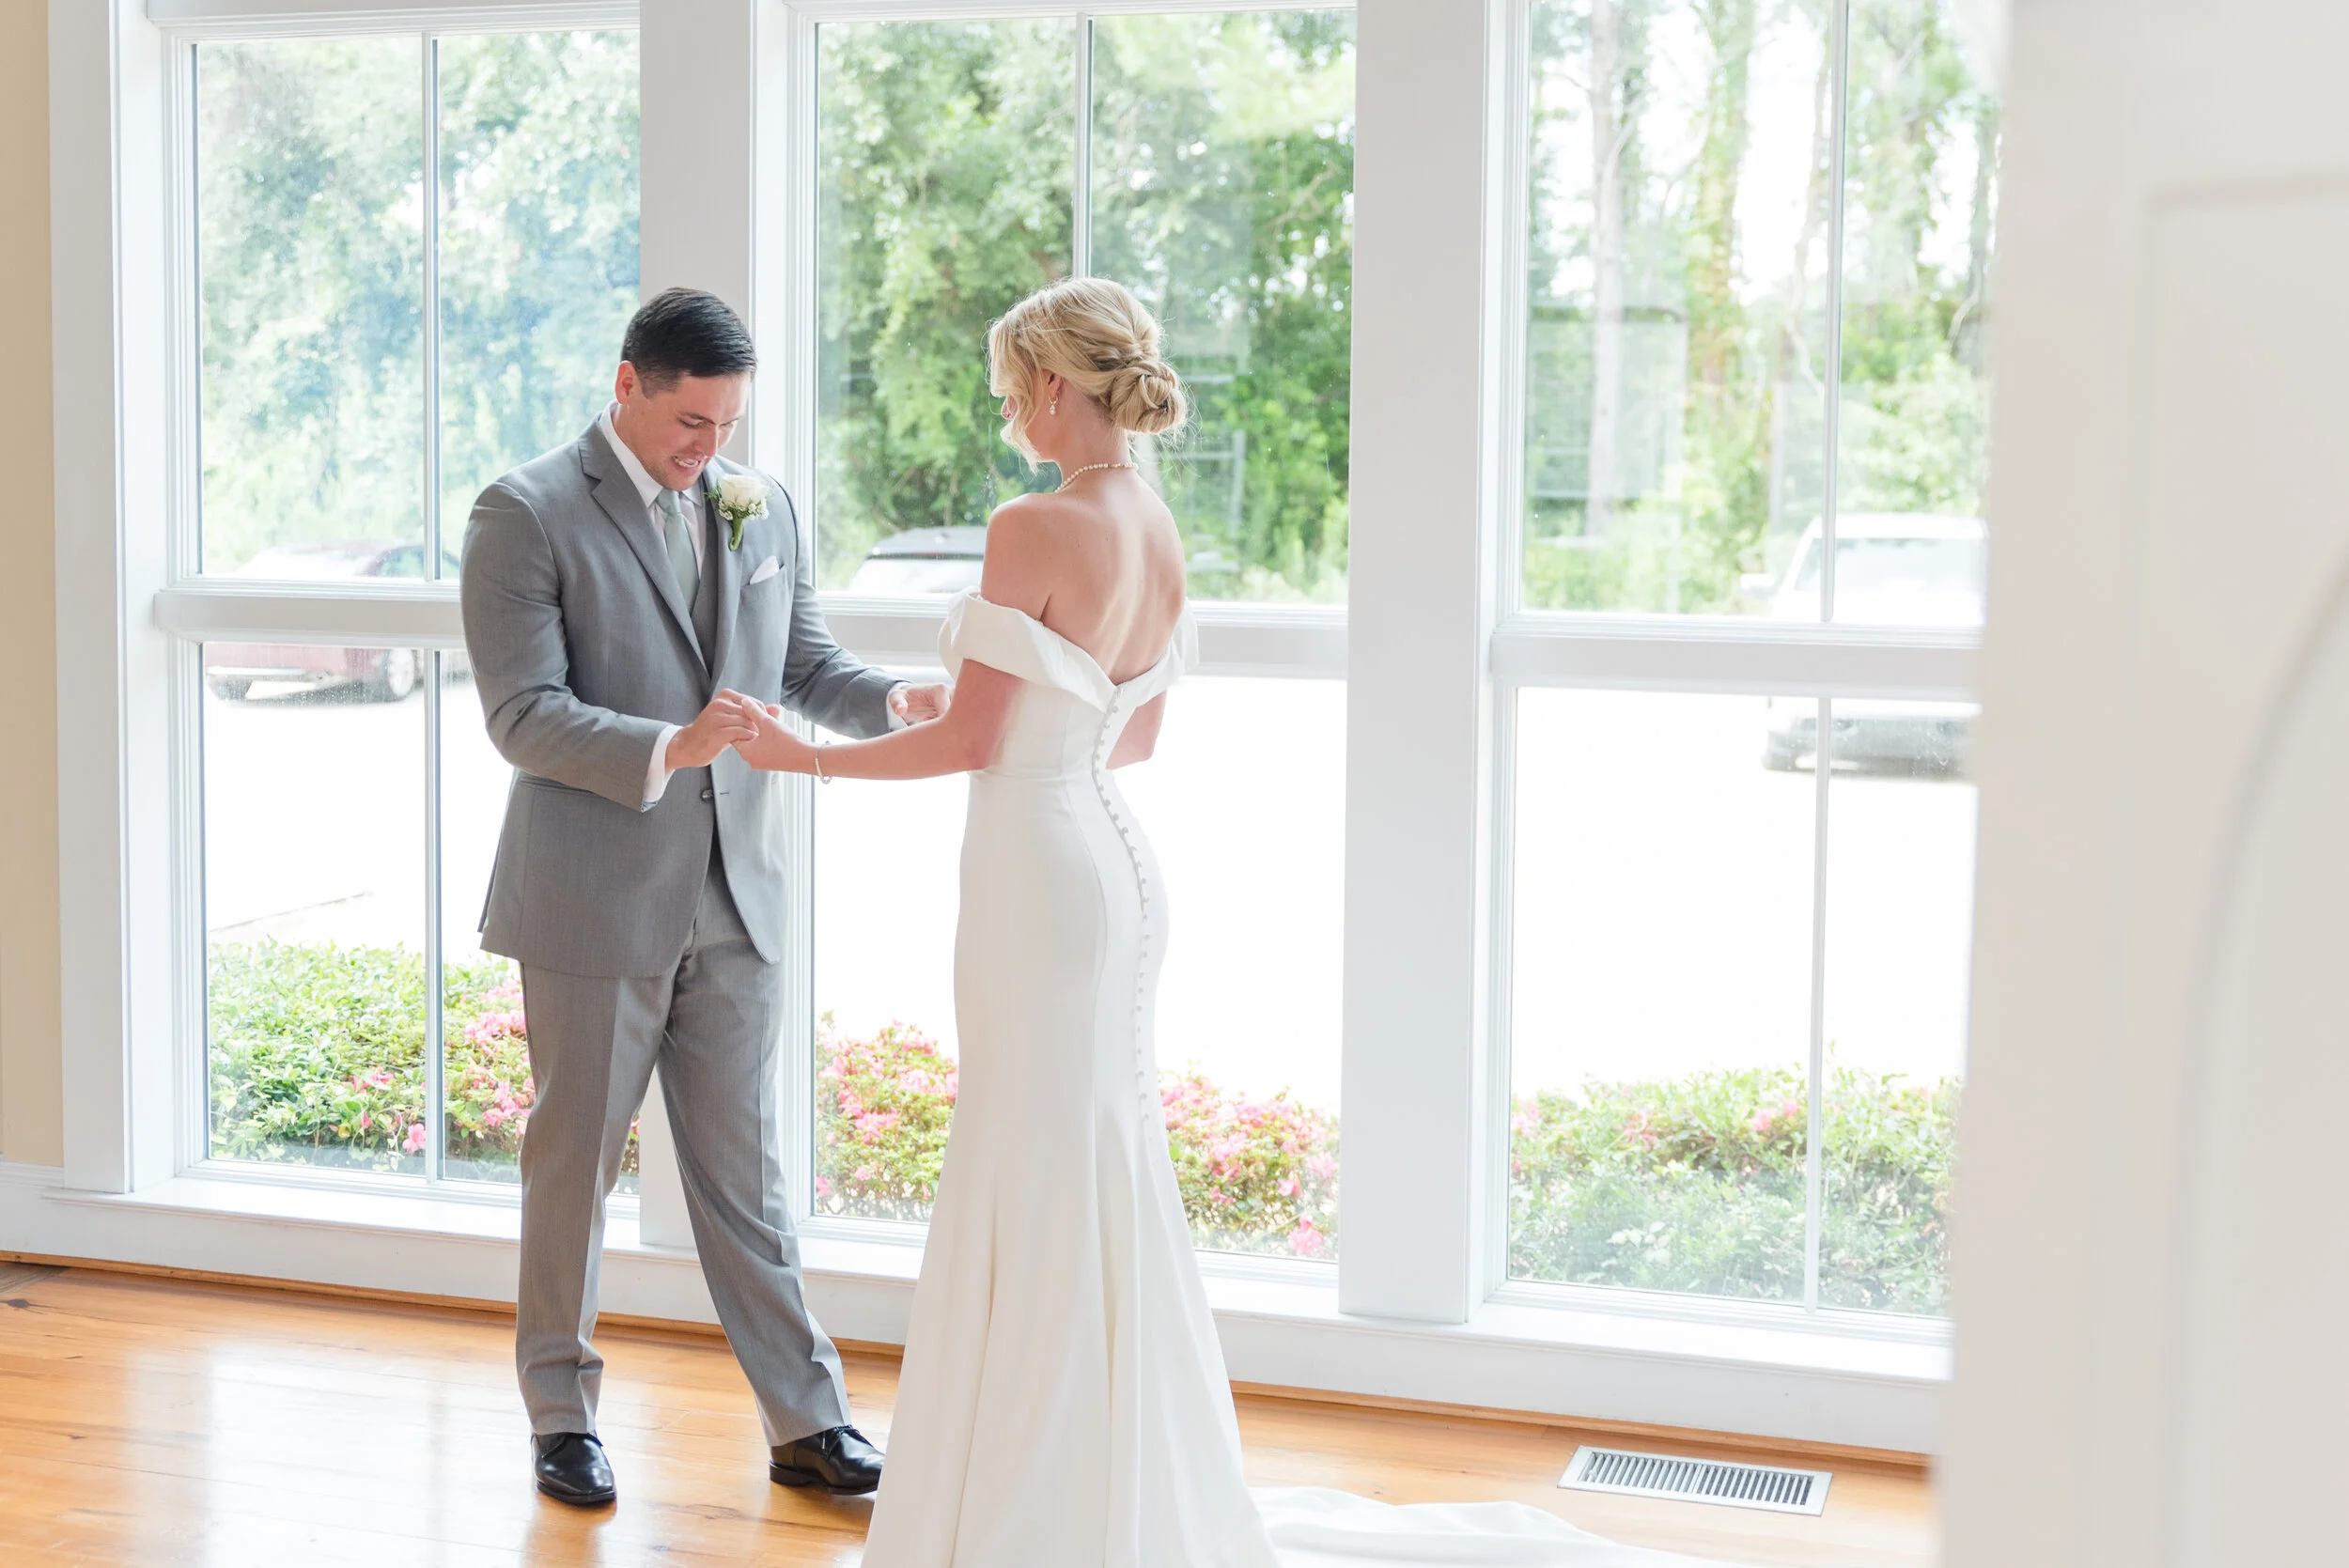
[
  {"x": 657, "y": 773},
  {"x": 889, "y": 706}
]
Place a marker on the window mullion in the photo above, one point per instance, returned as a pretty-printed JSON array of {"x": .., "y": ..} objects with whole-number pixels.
[
  {"x": 435, "y": 986},
  {"x": 1839, "y": 90},
  {"x": 1815, "y": 1218},
  {"x": 1081, "y": 185}
]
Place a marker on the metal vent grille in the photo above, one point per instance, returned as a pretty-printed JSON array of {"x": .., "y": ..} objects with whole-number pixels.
[{"x": 1664, "y": 1475}]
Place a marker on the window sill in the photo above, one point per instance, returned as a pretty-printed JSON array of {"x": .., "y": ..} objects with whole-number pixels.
[{"x": 1717, "y": 1367}]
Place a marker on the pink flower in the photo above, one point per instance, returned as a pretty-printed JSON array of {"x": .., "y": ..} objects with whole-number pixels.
[
  {"x": 1322, "y": 1166},
  {"x": 494, "y": 1118},
  {"x": 1305, "y": 1241},
  {"x": 823, "y": 1187},
  {"x": 415, "y": 1138},
  {"x": 366, "y": 1119},
  {"x": 874, "y": 1123},
  {"x": 1288, "y": 1187}
]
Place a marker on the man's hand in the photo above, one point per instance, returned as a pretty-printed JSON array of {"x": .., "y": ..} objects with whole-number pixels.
[
  {"x": 730, "y": 719},
  {"x": 920, "y": 704}
]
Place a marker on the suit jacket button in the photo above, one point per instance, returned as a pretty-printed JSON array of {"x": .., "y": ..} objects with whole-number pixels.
[{"x": 709, "y": 795}]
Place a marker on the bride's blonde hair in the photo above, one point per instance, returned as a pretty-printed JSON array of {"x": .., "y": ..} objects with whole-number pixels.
[{"x": 1095, "y": 335}]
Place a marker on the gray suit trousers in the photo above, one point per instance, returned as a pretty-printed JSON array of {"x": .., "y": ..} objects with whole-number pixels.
[{"x": 713, "y": 1025}]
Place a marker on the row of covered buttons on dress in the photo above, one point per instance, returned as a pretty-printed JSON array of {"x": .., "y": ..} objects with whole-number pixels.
[{"x": 1107, "y": 743}]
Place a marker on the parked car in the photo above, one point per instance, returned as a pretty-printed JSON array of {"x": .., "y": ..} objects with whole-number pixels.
[
  {"x": 922, "y": 560},
  {"x": 231, "y": 670},
  {"x": 1891, "y": 568},
  {"x": 947, "y": 560}
]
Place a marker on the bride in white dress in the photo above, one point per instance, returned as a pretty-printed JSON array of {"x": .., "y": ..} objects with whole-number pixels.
[{"x": 1064, "y": 1402}]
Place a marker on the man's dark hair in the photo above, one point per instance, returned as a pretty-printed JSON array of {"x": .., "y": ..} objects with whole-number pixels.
[{"x": 685, "y": 332}]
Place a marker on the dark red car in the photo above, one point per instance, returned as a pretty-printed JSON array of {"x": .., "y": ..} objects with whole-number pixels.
[{"x": 385, "y": 674}]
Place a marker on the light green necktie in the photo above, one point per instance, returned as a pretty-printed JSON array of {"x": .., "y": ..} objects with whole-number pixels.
[{"x": 689, "y": 572}]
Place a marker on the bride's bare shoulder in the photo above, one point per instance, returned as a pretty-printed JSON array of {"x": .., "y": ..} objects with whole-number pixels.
[{"x": 1027, "y": 547}]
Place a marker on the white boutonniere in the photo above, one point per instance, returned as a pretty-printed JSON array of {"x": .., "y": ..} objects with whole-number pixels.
[{"x": 741, "y": 497}]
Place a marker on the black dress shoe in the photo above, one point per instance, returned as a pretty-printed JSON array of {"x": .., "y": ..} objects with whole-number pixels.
[
  {"x": 572, "y": 1468},
  {"x": 840, "y": 1461}
]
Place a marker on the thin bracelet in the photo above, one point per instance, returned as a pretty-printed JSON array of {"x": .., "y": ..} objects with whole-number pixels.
[{"x": 821, "y": 777}]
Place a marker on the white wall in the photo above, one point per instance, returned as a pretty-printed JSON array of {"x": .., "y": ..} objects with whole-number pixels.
[{"x": 2151, "y": 1256}]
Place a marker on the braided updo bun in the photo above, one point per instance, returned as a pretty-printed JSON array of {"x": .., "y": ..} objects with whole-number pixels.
[
  {"x": 1144, "y": 397},
  {"x": 1097, "y": 336}
]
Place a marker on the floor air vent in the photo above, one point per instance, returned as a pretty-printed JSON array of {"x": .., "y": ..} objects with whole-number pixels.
[{"x": 1662, "y": 1475}]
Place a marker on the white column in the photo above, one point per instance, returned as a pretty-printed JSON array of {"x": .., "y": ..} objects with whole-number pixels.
[
  {"x": 1417, "y": 1078},
  {"x": 699, "y": 201},
  {"x": 699, "y": 152},
  {"x": 110, "y": 271}
]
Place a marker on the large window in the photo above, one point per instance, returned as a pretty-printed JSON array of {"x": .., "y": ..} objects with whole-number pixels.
[
  {"x": 1710, "y": 765},
  {"x": 1758, "y": 259},
  {"x": 1211, "y": 172},
  {"x": 414, "y": 259},
  {"x": 1207, "y": 167},
  {"x": 1710, "y": 306}
]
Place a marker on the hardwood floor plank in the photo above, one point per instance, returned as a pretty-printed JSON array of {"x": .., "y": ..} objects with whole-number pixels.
[{"x": 157, "y": 1422}]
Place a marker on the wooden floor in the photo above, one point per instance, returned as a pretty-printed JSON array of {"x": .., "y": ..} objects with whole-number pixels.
[{"x": 157, "y": 1422}]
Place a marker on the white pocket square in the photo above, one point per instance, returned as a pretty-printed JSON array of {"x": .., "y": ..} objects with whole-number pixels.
[{"x": 767, "y": 568}]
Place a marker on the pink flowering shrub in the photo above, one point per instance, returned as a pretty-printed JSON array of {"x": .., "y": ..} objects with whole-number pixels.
[
  {"x": 882, "y": 1108},
  {"x": 1257, "y": 1175}
]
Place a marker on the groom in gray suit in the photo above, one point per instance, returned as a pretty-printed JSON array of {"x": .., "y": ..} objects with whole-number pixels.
[{"x": 612, "y": 589}]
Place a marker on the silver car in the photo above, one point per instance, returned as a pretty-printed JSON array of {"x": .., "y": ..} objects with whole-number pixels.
[
  {"x": 1891, "y": 568},
  {"x": 922, "y": 560}
]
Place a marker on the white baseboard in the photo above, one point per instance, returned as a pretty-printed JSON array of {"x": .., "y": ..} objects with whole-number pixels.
[
  {"x": 14, "y": 1173},
  {"x": 1754, "y": 1377}
]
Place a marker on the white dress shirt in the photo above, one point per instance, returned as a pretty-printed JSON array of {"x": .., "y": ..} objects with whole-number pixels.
[{"x": 648, "y": 490}]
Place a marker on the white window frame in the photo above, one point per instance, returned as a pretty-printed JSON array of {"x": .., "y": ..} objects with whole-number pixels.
[
  {"x": 1420, "y": 1308},
  {"x": 1711, "y": 654},
  {"x": 1293, "y": 642}
]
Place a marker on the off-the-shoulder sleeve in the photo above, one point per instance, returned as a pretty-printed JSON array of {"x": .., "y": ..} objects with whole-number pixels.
[
  {"x": 1018, "y": 644},
  {"x": 1181, "y": 657}
]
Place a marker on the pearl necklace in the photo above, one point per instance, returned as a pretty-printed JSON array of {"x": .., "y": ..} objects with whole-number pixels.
[{"x": 1071, "y": 478}]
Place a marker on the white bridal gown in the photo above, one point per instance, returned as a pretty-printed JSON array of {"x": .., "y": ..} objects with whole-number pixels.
[{"x": 1064, "y": 1402}]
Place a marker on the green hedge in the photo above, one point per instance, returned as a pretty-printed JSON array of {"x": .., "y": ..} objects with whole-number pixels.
[
  {"x": 316, "y": 1058},
  {"x": 1692, "y": 1184},
  {"x": 1696, "y": 1184}
]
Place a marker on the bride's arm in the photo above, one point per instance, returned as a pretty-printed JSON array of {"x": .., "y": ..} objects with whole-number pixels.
[
  {"x": 1022, "y": 554},
  {"x": 966, "y": 740}
]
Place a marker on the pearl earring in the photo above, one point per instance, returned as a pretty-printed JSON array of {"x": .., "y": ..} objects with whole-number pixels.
[{"x": 1055, "y": 409}]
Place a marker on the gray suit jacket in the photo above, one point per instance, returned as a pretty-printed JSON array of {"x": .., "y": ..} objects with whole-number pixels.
[{"x": 582, "y": 649}]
